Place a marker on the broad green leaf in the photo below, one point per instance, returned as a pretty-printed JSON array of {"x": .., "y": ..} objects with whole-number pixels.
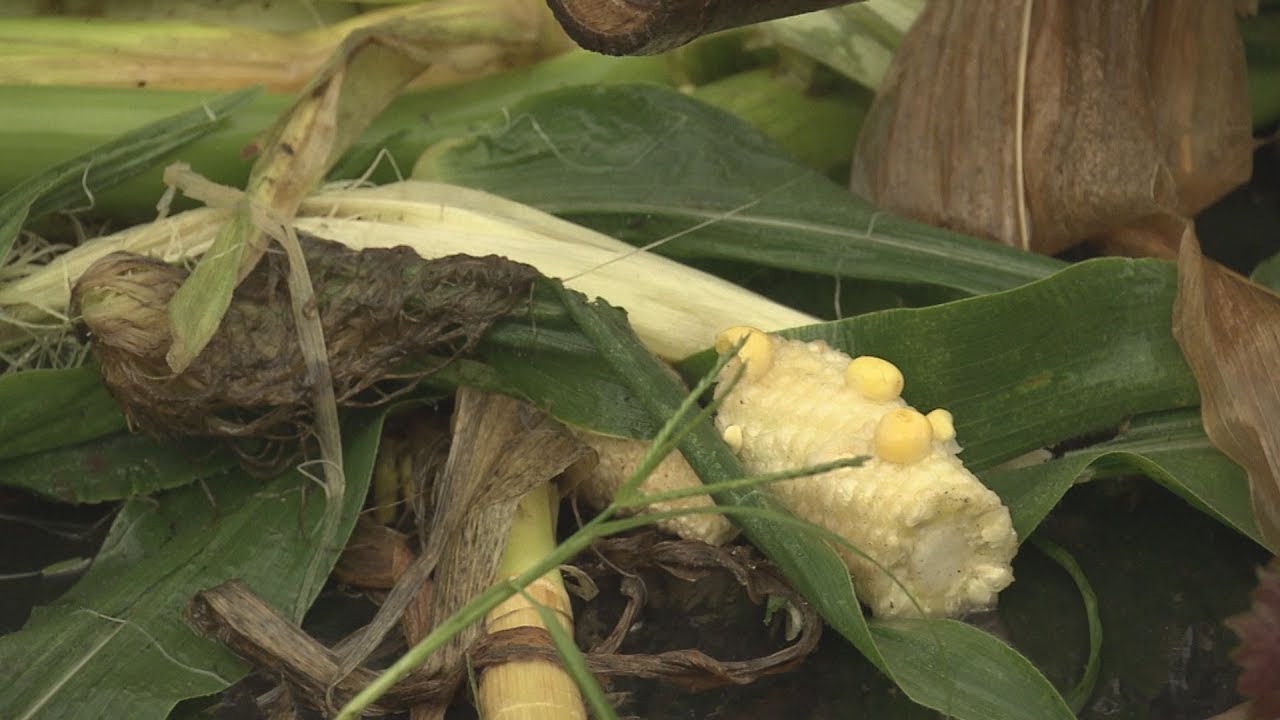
[
  {"x": 1076, "y": 353},
  {"x": 116, "y": 645},
  {"x": 108, "y": 164},
  {"x": 116, "y": 467},
  {"x": 644, "y": 163},
  {"x": 1170, "y": 448},
  {"x": 46, "y": 409},
  {"x": 943, "y": 664}
]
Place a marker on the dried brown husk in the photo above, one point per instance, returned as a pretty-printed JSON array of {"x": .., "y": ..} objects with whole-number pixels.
[
  {"x": 501, "y": 449},
  {"x": 1043, "y": 123},
  {"x": 1229, "y": 330},
  {"x": 377, "y": 307}
]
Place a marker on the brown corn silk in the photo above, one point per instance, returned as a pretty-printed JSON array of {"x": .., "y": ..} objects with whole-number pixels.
[
  {"x": 1043, "y": 123},
  {"x": 378, "y": 308},
  {"x": 1229, "y": 332}
]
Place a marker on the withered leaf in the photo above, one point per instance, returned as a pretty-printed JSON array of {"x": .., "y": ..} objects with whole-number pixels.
[
  {"x": 377, "y": 308},
  {"x": 1044, "y": 123},
  {"x": 1229, "y": 332}
]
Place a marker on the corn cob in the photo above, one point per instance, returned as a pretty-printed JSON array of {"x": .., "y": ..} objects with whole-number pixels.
[
  {"x": 931, "y": 532},
  {"x": 618, "y": 458}
]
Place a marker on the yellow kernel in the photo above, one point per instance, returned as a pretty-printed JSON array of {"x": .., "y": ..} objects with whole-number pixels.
[
  {"x": 903, "y": 436},
  {"x": 756, "y": 353},
  {"x": 874, "y": 378},
  {"x": 733, "y": 437},
  {"x": 944, "y": 428}
]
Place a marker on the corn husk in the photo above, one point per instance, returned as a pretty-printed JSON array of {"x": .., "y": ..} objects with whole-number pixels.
[
  {"x": 676, "y": 311},
  {"x": 1229, "y": 332},
  {"x": 1046, "y": 122}
]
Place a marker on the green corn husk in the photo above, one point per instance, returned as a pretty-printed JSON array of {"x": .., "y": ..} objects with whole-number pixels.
[{"x": 160, "y": 52}]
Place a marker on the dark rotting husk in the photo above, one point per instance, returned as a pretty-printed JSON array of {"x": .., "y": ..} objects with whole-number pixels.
[{"x": 379, "y": 309}]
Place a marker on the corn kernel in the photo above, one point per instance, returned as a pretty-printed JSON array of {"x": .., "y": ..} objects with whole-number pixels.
[
  {"x": 756, "y": 353},
  {"x": 944, "y": 428},
  {"x": 903, "y": 436},
  {"x": 874, "y": 378}
]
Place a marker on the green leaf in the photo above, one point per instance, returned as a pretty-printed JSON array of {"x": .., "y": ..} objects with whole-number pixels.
[
  {"x": 116, "y": 467},
  {"x": 643, "y": 163},
  {"x": 108, "y": 164},
  {"x": 1076, "y": 353},
  {"x": 1079, "y": 695},
  {"x": 116, "y": 645},
  {"x": 858, "y": 40},
  {"x": 46, "y": 409},
  {"x": 945, "y": 665},
  {"x": 1170, "y": 448}
]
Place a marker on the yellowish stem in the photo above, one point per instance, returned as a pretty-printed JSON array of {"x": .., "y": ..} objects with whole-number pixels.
[{"x": 530, "y": 689}]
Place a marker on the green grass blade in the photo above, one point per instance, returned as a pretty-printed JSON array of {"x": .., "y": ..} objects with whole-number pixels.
[
  {"x": 1078, "y": 696},
  {"x": 68, "y": 182},
  {"x": 575, "y": 663}
]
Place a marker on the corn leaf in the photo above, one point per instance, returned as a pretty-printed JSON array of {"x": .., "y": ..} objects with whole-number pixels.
[
  {"x": 116, "y": 644},
  {"x": 77, "y": 180},
  {"x": 643, "y": 163},
  {"x": 47, "y": 409},
  {"x": 1170, "y": 448},
  {"x": 116, "y": 467}
]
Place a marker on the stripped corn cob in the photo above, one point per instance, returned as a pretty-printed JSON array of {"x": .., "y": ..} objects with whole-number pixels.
[
  {"x": 912, "y": 507},
  {"x": 618, "y": 458}
]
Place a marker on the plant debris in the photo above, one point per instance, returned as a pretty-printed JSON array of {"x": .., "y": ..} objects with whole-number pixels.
[
  {"x": 1259, "y": 651},
  {"x": 1042, "y": 124},
  {"x": 378, "y": 308},
  {"x": 232, "y": 614}
]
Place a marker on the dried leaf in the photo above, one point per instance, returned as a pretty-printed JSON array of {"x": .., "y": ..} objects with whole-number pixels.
[
  {"x": 1259, "y": 653},
  {"x": 378, "y": 307},
  {"x": 1051, "y": 122},
  {"x": 1229, "y": 332},
  {"x": 501, "y": 449},
  {"x": 375, "y": 557}
]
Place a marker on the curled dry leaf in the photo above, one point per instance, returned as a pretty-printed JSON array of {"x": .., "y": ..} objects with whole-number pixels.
[
  {"x": 1047, "y": 122},
  {"x": 1259, "y": 651},
  {"x": 1229, "y": 332}
]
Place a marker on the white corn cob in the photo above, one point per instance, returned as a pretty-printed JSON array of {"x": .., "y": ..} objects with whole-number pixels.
[
  {"x": 618, "y": 458},
  {"x": 912, "y": 506}
]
